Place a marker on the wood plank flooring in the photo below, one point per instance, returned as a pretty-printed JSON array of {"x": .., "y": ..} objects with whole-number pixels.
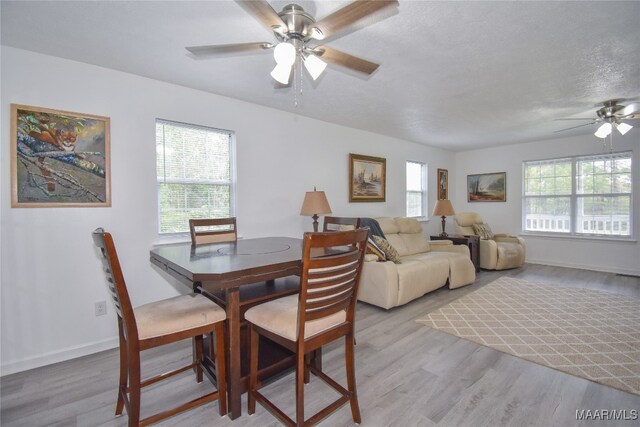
[{"x": 407, "y": 375}]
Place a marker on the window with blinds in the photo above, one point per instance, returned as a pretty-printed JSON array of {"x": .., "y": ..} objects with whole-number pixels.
[
  {"x": 195, "y": 174},
  {"x": 416, "y": 189},
  {"x": 581, "y": 195}
]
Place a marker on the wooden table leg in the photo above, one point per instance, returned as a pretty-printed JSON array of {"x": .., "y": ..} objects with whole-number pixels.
[{"x": 233, "y": 353}]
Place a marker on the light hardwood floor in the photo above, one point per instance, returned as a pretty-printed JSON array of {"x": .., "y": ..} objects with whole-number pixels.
[{"x": 407, "y": 375}]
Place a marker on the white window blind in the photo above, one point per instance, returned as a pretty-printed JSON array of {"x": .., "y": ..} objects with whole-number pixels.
[
  {"x": 581, "y": 195},
  {"x": 416, "y": 189},
  {"x": 195, "y": 174}
]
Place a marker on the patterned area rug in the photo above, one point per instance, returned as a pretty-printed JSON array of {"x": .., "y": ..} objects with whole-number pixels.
[{"x": 587, "y": 333}]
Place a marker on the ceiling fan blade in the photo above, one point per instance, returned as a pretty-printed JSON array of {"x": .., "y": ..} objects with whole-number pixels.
[
  {"x": 575, "y": 127},
  {"x": 346, "y": 17},
  {"x": 263, "y": 12},
  {"x": 578, "y": 118},
  {"x": 229, "y": 49},
  {"x": 630, "y": 112},
  {"x": 345, "y": 60}
]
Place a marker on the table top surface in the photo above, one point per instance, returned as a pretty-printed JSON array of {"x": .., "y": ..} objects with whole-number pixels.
[{"x": 220, "y": 261}]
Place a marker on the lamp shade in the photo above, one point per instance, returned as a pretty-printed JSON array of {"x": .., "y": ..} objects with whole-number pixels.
[
  {"x": 604, "y": 130},
  {"x": 315, "y": 202},
  {"x": 443, "y": 208},
  {"x": 314, "y": 65}
]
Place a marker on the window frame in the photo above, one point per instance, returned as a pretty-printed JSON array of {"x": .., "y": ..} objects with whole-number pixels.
[
  {"x": 575, "y": 196},
  {"x": 232, "y": 174},
  {"x": 423, "y": 191}
]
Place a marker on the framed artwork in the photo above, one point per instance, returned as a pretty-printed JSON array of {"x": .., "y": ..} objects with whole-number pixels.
[
  {"x": 367, "y": 178},
  {"x": 59, "y": 158},
  {"x": 443, "y": 184},
  {"x": 487, "y": 187}
]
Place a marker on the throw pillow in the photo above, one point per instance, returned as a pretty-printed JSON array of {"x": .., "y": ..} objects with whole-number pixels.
[
  {"x": 374, "y": 249},
  {"x": 483, "y": 230},
  {"x": 390, "y": 251}
]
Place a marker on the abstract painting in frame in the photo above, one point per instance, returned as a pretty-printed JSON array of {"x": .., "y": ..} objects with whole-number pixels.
[
  {"x": 367, "y": 178},
  {"x": 443, "y": 184},
  {"x": 59, "y": 158},
  {"x": 487, "y": 187}
]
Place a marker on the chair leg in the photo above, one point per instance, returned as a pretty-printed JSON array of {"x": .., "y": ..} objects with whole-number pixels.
[
  {"x": 197, "y": 341},
  {"x": 254, "y": 341},
  {"x": 134, "y": 389},
  {"x": 221, "y": 369},
  {"x": 124, "y": 370},
  {"x": 300, "y": 380},
  {"x": 307, "y": 371},
  {"x": 351, "y": 377}
]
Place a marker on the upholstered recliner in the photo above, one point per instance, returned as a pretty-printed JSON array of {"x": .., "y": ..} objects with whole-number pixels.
[{"x": 497, "y": 251}]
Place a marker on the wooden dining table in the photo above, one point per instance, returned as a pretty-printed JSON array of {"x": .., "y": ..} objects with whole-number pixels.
[{"x": 237, "y": 275}]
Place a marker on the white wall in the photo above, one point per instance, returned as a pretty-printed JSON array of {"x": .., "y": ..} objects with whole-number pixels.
[
  {"x": 51, "y": 276},
  {"x": 592, "y": 254}
]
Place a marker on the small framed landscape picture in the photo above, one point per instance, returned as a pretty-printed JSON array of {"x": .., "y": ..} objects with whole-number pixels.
[
  {"x": 443, "y": 184},
  {"x": 487, "y": 187},
  {"x": 367, "y": 178},
  {"x": 58, "y": 158}
]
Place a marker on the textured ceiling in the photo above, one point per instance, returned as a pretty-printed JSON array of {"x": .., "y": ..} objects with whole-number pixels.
[{"x": 457, "y": 75}]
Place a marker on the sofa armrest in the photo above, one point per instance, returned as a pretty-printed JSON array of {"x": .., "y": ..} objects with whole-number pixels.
[
  {"x": 508, "y": 238},
  {"x": 440, "y": 243},
  {"x": 458, "y": 249},
  {"x": 379, "y": 284}
]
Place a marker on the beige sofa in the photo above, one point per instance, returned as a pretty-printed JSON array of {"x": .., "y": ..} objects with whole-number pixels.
[
  {"x": 425, "y": 266},
  {"x": 500, "y": 252}
]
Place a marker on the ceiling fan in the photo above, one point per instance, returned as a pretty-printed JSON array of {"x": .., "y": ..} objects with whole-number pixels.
[
  {"x": 612, "y": 113},
  {"x": 298, "y": 34}
]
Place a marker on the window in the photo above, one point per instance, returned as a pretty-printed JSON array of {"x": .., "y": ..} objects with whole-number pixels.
[
  {"x": 195, "y": 174},
  {"x": 582, "y": 195},
  {"x": 416, "y": 189}
]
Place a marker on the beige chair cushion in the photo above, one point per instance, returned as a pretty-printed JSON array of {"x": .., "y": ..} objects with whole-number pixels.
[
  {"x": 176, "y": 314},
  {"x": 280, "y": 316},
  {"x": 483, "y": 230}
]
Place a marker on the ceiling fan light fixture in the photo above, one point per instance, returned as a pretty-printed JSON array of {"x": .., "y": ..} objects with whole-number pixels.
[
  {"x": 314, "y": 65},
  {"x": 285, "y": 54},
  {"x": 623, "y": 128},
  {"x": 604, "y": 130},
  {"x": 281, "y": 73}
]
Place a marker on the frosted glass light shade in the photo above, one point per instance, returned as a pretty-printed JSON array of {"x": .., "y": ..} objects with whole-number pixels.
[
  {"x": 314, "y": 65},
  {"x": 281, "y": 73},
  {"x": 623, "y": 127},
  {"x": 604, "y": 130},
  {"x": 284, "y": 54}
]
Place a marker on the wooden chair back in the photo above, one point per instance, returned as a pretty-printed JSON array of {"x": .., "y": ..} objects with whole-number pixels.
[
  {"x": 330, "y": 274},
  {"x": 116, "y": 283},
  {"x": 213, "y": 230},
  {"x": 334, "y": 223}
]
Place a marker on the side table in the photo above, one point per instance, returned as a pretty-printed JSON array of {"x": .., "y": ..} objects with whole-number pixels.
[{"x": 472, "y": 242}]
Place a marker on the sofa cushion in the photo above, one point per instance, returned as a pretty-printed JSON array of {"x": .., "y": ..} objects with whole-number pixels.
[
  {"x": 388, "y": 225},
  {"x": 408, "y": 225},
  {"x": 483, "y": 230},
  {"x": 414, "y": 243},
  {"x": 388, "y": 249}
]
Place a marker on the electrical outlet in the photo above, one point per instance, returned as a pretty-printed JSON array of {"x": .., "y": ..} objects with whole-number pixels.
[{"x": 101, "y": 308}]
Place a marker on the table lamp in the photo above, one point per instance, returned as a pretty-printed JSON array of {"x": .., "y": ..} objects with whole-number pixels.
[
  {"x": 315, "y": 202},
  {"x": 444, "y": 209}
]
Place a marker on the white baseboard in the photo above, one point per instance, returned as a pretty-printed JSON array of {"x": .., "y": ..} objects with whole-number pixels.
[
  {"x": 605, "y": 269},
  {"x": 57, "y": 356}
]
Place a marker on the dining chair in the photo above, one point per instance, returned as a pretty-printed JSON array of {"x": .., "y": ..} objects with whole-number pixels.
[
  {"x": 323, "y": 311},
  {"x": 338, "y": 223},
  {"x": 155, "y": 324},
  {"x": 213, "y": 230}
]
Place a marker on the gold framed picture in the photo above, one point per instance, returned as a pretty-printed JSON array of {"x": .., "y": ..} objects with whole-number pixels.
[
  {"x": 443, "y": 184},
  {"x": 367, "y": 178},
  {"x": 59, "y": 158}
]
